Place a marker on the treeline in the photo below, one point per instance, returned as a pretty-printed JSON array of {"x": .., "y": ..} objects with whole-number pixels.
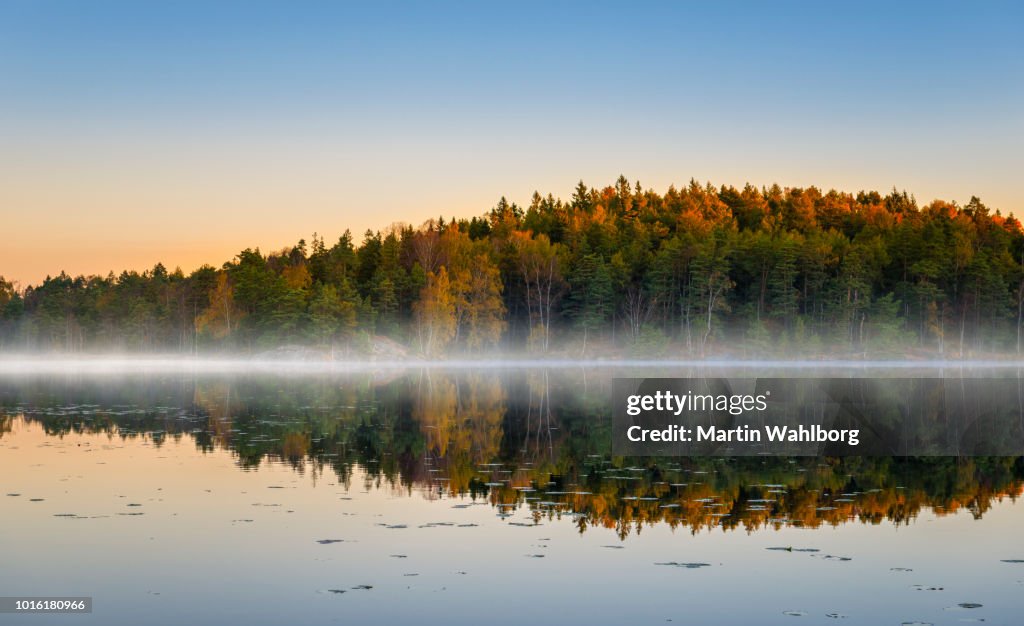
[{"x": 696, "y": 271}]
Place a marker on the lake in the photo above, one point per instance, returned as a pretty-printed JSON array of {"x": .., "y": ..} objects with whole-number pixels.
[{"x": 465, "y": 496}]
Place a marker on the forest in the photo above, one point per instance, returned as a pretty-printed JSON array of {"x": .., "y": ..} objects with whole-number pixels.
[{"x": 696, "y": 272}]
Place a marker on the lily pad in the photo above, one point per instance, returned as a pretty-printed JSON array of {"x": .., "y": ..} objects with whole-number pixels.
[{"x": 685, "y": 565}]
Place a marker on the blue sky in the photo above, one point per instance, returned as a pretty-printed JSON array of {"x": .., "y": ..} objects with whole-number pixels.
[{"x": 137, "y": 132}]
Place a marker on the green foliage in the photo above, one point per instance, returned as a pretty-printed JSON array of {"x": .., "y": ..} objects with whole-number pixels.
[
  {"x": 591, "y": 297},
  {"x": 697, "y": 270}
]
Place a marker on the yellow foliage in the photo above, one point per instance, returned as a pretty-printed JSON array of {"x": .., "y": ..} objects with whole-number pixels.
[
  {"x": 435, "y": 313},
  {"x": 221, "y": 317},
  {"x": 297, "y": 276}
]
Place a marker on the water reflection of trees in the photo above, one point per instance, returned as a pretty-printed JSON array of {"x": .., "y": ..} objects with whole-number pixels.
[{"x": 527, "y": 441}]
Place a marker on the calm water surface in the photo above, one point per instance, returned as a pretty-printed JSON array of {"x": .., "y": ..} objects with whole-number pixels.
[{"x": 466, "y": 497}]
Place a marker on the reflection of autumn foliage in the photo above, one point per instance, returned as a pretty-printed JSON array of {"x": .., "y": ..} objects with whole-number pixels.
[
  {"x": 215, "y": 401},
  {"x": 295, "y": 446},
  {"x": 528, "y": 442},
  {"x": 460, "y": 419},
  {"x": 626, "y": 499},
  {"x": 433, "y": 408}
]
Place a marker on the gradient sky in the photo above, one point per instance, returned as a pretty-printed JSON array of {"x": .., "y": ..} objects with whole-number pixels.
[{"x": 132, "y": 133}]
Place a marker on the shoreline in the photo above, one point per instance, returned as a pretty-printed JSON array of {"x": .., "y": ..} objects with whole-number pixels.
[{"x": 154, "y": 363}]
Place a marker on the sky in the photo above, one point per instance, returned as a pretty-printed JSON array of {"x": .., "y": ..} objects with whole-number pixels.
[{"x": 135, "y": 133}]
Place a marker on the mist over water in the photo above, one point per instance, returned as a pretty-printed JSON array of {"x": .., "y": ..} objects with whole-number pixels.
[{"x": 42, "y": 363}]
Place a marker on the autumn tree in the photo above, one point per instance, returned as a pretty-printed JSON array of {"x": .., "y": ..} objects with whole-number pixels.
[
  {"x": 476, "y": 285},
  {"x": 434, "y": 317},
  {"x": 540, "y": 270},
  {"x": 221, "y": 316}
]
